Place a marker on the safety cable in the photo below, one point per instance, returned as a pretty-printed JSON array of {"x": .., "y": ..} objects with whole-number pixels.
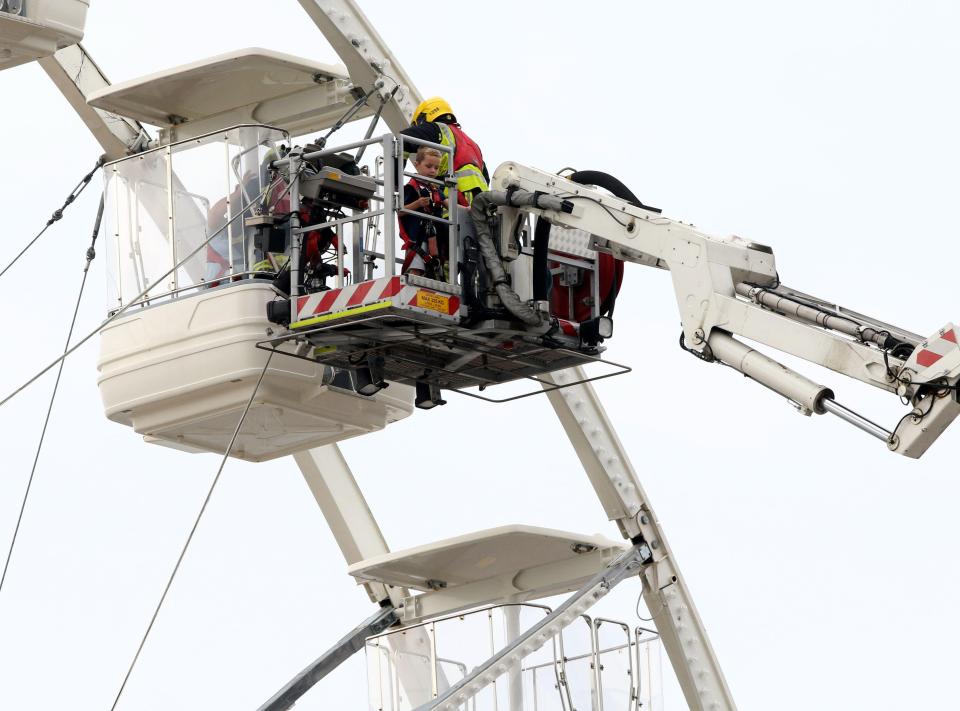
[
  {"x": 58, "y": 213},
  {"x": 136, "y": 299},
  {"x": 606, "y": 208},
  {"x": 347, "y": 115},
  {"x": 193, "y": 530},
  {"x": 373, "y": 122},
  {"x": 91, "y": 255}
]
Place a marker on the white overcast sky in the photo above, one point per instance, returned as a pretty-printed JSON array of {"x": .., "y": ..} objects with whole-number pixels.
[{"x": 824, "y": 567}]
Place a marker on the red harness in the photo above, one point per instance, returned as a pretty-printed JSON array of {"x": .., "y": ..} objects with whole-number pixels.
[{"x": 436, "y": 208}]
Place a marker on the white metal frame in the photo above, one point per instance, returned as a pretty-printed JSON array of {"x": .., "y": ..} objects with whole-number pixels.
[
  {"x": 719, "y": 286},
  {"x": 706, "y": 274},
  {"x": 621, "y": 494}
]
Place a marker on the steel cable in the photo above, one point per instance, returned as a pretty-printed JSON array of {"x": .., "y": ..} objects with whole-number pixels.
[
  {"x": 58, "y": 213},
  {"x": 91, "y": 254},
  {"x": 138, "y": 297},
  {"x": 193, "y": 530}
]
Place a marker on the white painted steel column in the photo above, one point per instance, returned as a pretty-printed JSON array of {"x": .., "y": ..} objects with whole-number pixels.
[
  {"x": 352, "y": 523},
  {"x": 511, "y": 624},
  {"x": 77, "y": 76},
  {"x": 366, "y": 56},
  {"x": 613, "y": 478},
  {"x": 359, "y": 536}
]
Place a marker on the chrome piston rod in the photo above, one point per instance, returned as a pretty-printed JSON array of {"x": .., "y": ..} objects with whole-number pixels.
[
  {"x": 819, "y": 317},
  {"x": 810, "y": 396},
  {"x": 859, "y": 421}
]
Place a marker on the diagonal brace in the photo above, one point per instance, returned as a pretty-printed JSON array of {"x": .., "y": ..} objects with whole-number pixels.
[
  {"x": 335, "y": 656},
  {"x": 626, "y": 565}
]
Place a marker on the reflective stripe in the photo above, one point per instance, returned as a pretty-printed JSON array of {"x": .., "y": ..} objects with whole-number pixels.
[
  {"x": 469, "y": 176},
  {"x": 446, "y": 139},
  {"x": 272, "y": 262},
  {"x": 469, "y": 170}
]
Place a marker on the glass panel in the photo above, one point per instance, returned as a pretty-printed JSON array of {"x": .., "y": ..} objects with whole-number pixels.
[
  {"x": 199, "y": 187},
  {"x": 413, "y": 681},
  {"x": 541, "y": 689},
  {"x": 114, "y": 192},
  {"x": 191, "y": 191},
  {"x": 466, "y": 641},
  {"x": 136, "y": 218},
  {"x": 380, "y": 675},
  {"x": 649, "y": 671},
  {"x": 615, "y": 665},
  {"x": 578, "y": 664},
  {"x": 462, "y": 643}
]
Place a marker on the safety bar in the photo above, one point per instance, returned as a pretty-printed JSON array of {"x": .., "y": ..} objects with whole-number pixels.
[
  {"x": 453, "y": 197},
  {"x": 390, "y": 208}
]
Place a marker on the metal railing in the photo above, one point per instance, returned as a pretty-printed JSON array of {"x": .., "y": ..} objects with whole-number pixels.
[
  {"x": 393, "y": 654},
  {"x": 641, "y": 653},
  {"x": 622, "y": 675},
  {"x": 364, "y": 227},
  {"x": 385, "y": 204}
]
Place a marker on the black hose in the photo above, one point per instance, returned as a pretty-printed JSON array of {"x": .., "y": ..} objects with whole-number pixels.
[
  {"x": 613, "y": 185},
  {"x": 617, "y": 189},
  {"x": 542, "y": 279}
]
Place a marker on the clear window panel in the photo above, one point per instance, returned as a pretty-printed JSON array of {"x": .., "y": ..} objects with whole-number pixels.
[
  {"x": 615, "y": 664},
  {"x": 465, "y": 641},
  {"x": 199, "y": 183},
  {"x": 380, "y": 675},
  {"x": 542, "y": 690},
  {"x": 114, "y": 192},
  {"x": 649, "y": 671},
  {"x": 162, "y": 207},
  {"x": 405, "y": 656},
  {"x": 578, "y": 664},
  {"x": 136, "y": 215},
  {"x": 458, "y": 645}
]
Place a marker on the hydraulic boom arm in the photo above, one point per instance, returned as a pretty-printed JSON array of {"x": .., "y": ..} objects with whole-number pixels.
[{"x": 727, "y": 287}]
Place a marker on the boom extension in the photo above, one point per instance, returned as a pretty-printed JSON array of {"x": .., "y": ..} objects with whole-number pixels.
[{"x": 730, "y": 287}]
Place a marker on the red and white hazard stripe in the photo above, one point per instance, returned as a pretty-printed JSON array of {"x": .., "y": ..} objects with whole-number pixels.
[
  {"x": 366, "y": 292},
  {"x": 933, "y": 349},
  {"x": 370, "y": 292},
  {"x": 569, "y": 328}
]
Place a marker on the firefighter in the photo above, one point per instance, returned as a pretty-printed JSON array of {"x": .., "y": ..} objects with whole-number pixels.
[{"x": 434, "y": 121}]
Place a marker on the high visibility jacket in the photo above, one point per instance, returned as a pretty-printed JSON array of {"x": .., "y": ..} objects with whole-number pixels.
[{"x": 467, "y": 161}]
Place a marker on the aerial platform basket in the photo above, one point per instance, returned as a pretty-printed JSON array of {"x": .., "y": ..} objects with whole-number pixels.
[
  {"x": 458, "y": 333},
  {"x": 413, "y": 328}
]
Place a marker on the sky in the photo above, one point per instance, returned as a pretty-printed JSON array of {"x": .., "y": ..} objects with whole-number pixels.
[{"x": 823, "y": 566}]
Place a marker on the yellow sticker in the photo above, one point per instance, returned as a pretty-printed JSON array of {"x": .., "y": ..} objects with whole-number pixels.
[
  {"x": 333, "y": 176},
  {"x": 433, "y": 302}
]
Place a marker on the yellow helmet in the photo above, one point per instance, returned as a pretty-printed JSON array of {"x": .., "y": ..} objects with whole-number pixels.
[{"x": 431, "y": 109}]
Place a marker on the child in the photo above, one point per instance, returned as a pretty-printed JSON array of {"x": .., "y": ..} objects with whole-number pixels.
[{"x": 425, "y": 241}]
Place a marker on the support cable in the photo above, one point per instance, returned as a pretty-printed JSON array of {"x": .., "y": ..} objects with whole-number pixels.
[
  {"x": 193, "y": 530},
  {"x": 91, "y": 255},
  {"x": 58, "y": 213},
  {"x": 114, "y": 316}
]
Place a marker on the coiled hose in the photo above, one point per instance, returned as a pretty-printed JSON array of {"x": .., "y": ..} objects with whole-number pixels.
[{"x": 483, "y": 214}]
